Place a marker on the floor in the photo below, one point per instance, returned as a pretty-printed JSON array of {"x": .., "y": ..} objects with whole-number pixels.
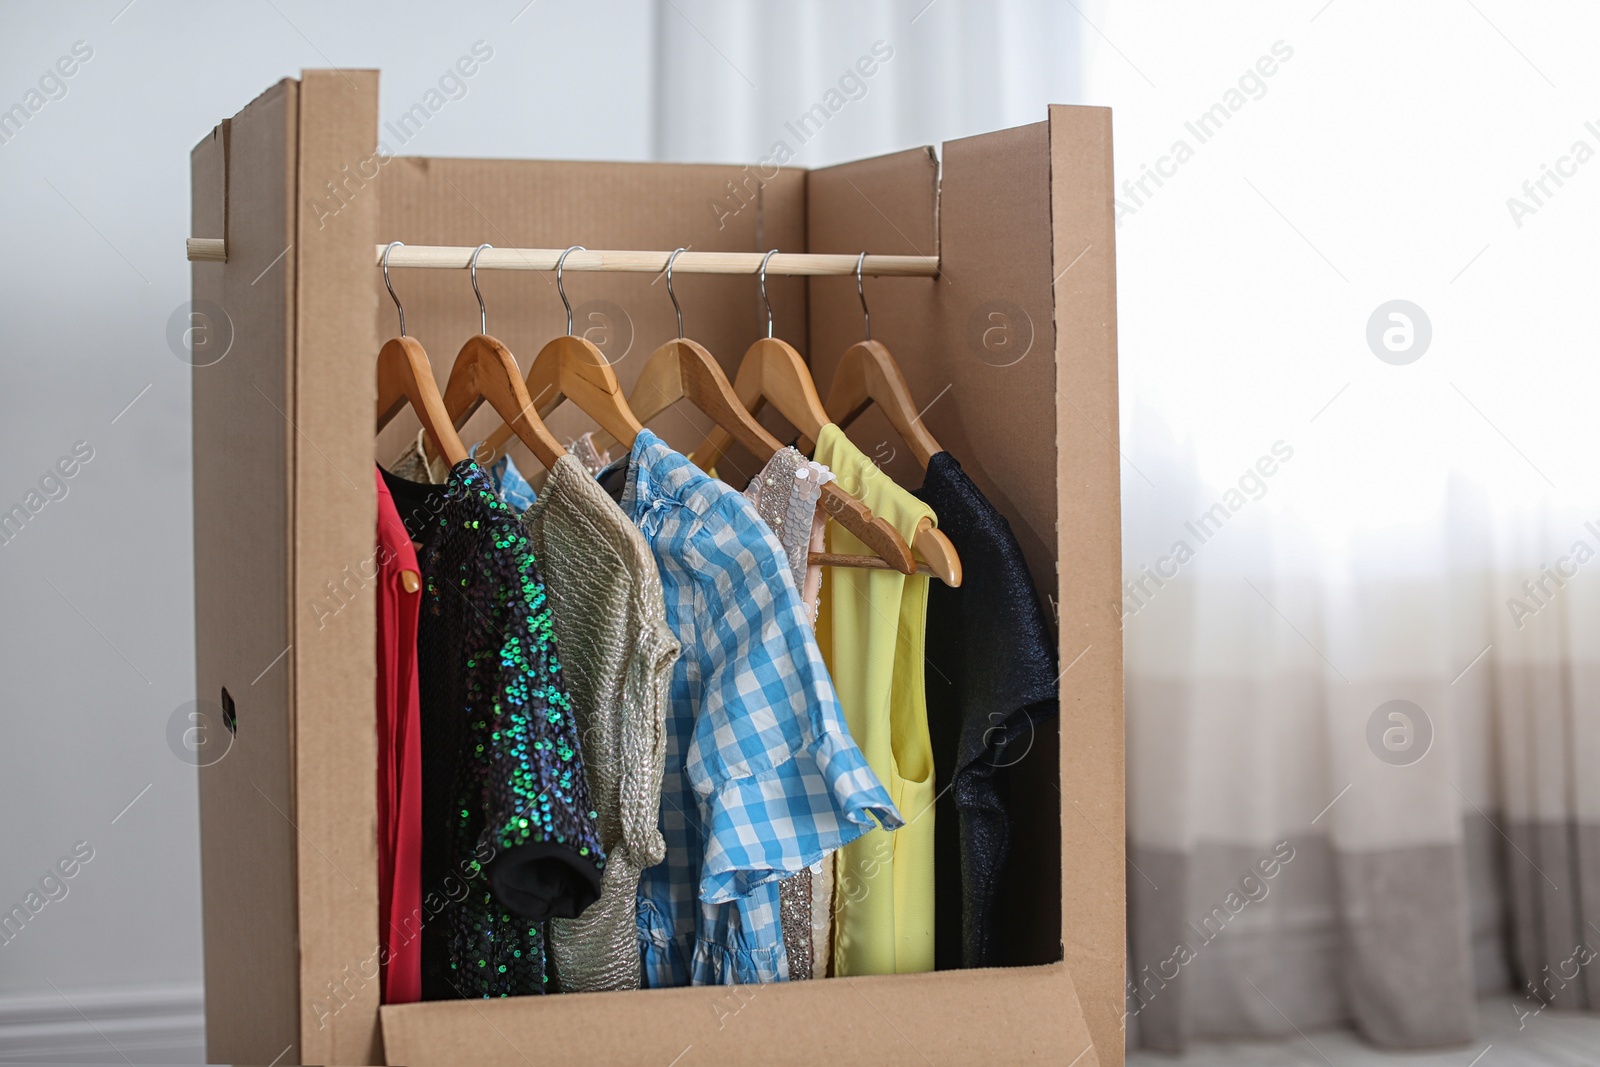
[{"x": 1549, "y": 1039}]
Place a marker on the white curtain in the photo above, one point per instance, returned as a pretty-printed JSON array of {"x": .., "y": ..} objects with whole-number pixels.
[
  {"x": 734, "y": 77},
  {"x": 1339, "y": 672},
  {"x": 1359, "y": 745}
]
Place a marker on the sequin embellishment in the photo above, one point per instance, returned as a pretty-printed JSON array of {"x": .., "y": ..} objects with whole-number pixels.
[{"x": 518, "y": 772}]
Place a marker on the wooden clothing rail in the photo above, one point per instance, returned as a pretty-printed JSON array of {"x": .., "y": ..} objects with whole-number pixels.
[{"x": 452, "y": 257}]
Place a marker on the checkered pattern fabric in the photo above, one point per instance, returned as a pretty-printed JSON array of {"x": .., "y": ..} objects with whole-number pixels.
[
  {"x": 510, "y": 484},
  {"x": 762, "y": 777}
]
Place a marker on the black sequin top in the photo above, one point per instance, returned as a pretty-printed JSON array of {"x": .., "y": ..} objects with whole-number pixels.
[
  {"x": 991, "y": 681},
  {"x": 508, "y": 834}
]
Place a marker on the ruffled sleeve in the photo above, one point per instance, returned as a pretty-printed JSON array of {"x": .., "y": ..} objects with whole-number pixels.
[
  {"x": 779, "y": 782},
  {"x": 781, "y": 821}
]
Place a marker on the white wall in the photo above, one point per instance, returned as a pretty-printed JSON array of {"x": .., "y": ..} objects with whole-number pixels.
[
  {"x": 96, "y": 592},
  {"x": 96, "y": 620}
]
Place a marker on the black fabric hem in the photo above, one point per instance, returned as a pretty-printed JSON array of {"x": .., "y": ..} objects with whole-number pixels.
[{"x": 545, "y": 880}]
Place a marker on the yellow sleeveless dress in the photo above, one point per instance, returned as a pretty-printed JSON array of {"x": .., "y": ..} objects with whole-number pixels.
[{"x": 871, "y": 625}]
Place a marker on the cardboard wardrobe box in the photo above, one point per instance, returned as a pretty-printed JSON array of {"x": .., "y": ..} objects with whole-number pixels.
[{"x": 1012, "y": 349}]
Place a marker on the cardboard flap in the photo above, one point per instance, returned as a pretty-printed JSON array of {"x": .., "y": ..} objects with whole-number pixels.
[
  {"x": 1089, "y": 540},
  {"x": 242, "y": 567},
  {"x": 979, "y": 1017}
]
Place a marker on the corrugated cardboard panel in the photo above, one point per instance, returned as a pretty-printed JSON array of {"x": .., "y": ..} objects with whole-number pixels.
[
  {"x": 540, "y": 204},
  {"x": 998, "y": 420},
  {"x": 242, "y": 454},
  {"x": 890, "y": 206},
  {"x": 1013, "y": 356},
  {"x": 1015, "y": 1015},
  {"x": 976, "y": 343},
  {"x": 1090, "y": 545},
  {"x": 335, "y": 519},
  {"x": 976, "y": 347}
]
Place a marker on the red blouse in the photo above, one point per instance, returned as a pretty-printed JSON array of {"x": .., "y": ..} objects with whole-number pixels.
[{"x": 399, "y": 758}]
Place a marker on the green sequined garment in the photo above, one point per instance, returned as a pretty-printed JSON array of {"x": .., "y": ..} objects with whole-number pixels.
[{"x": 509, "y": 834}]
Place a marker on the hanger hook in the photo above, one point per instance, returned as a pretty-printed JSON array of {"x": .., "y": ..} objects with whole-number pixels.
[
  {"x": 562, "y": 290},
  {"x": 671, "y": 294},
  {"x": 866, "y": 316},
  {"x": 472, "y": 268},
  {"x": 764, "y": 299},
  {"x": 390, "y": 285}
]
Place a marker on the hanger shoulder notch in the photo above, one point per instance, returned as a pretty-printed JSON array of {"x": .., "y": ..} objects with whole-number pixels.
[
  {"x": 874, "y": 532},
  {"x": 941, "y": 556}
]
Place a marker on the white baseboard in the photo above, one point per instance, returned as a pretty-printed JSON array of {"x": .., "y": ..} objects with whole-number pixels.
[{"x": 138, "y": 1024}]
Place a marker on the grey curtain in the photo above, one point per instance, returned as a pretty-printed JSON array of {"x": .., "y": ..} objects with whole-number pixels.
[{"x": 1361, "y": 780}]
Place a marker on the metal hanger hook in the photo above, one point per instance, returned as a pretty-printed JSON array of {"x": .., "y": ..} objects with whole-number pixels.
[
  {"x": 764, "y": 299},
  {"x": 671, "y": 294},
  {"x": 561, "y": 289},
  {"x": 472, "y": 268},
  {"x": 866, "y": 316},
  {"x": 390, "y": 286}
]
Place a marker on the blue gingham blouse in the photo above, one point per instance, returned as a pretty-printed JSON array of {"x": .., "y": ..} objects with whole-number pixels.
[{"x": 762, "y": 777}]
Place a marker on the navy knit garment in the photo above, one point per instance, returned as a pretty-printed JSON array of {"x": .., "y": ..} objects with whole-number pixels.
[{"x": 991, "y": 678}]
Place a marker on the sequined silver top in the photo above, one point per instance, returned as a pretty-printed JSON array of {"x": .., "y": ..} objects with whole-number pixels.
[
  {"x": 785, "y": 494},
  {"x": 593, "y": 458}
]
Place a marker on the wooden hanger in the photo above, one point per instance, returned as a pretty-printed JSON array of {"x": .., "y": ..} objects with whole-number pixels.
[
  {"x": 485, "y": 370},
  {"x": 772, "y": 371},
  {"x": 868, "y": 374},
  {"x": 682, "y": 369},
  {"x": 572, "y": 368},
  {"x": 406, "y": 377}
]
